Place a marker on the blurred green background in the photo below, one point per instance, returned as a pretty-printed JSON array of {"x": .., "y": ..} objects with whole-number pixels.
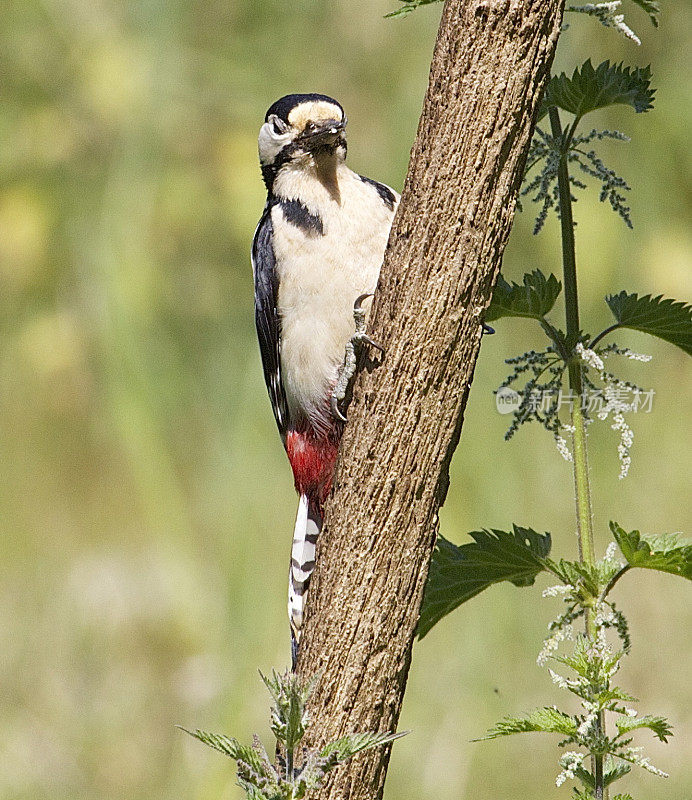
[{"x": 145, "y": 502}]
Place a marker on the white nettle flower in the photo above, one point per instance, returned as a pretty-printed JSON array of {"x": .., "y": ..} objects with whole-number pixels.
[
  {"x": 619, "y": 396},
  {"x": 636, "y": 356},
  {"x": 634, "y": 756},
  {"x": 590, "y": 357},
  {"x": 605, "y": 14},
  {"x": 604, "y": 616},
  {"x": 551, "y": 644},
  {"x": 558, "y": 680},
  {"x": 563, "y": 448},
  {"x": 556, "y": 591},
  {"x": 569, "y": 762},
  {"x": 617, "y": 406},
  {"x": 644, "y": 763},
  {"x": 589, "y": 719}
]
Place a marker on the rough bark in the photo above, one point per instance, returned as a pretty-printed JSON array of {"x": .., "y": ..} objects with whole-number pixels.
[{"x": 491, "y": 60}]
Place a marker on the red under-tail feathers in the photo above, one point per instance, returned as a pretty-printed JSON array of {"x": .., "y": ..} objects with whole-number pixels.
[{"x": 312, "y": 460}]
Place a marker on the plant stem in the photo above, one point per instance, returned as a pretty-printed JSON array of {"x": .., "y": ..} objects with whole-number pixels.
[
  {"x": 289, "y": 764},
  {"x": 569, "y": 268},
  {"x": 582, "y": 490},
  {"x": 598, "y": 338}
]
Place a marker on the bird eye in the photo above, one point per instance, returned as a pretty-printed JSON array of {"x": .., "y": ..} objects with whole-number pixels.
[{"x": 278, "y": 125}]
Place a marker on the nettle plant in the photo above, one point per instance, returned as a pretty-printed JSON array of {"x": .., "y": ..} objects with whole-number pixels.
[
  {"x": 566, "y": 388},
  {"x": 296, "y": 770}
]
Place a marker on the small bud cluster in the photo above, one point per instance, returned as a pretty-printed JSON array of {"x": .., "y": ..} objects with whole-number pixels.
[
  {"x": 543, "y": 187},
  {"x": 606, "y": 14}
]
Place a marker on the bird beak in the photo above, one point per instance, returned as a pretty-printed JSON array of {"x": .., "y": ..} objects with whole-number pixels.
[{"x": 323, "y": 134}]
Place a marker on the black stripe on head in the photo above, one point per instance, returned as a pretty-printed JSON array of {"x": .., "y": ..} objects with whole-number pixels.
[
  {"x": 283, "y": 107},
  {"x": 384, "y": 192},
  {"x": 297, "y": 214}
]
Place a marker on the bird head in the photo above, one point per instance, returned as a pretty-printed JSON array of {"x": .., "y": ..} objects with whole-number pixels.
[{"x": 304, "y": 129}]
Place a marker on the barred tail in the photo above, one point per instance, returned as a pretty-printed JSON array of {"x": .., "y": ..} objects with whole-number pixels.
[{"x": 308, "y": 527}]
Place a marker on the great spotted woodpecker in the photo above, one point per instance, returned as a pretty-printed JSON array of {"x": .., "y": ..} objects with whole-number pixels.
[{"x": 316, "y": 256}]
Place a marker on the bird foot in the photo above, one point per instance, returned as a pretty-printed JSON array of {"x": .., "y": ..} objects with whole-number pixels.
[{"x": 348, "y": 368}]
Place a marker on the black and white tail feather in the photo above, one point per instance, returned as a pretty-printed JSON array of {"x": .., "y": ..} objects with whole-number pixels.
[{"x": 307, "y": 529}]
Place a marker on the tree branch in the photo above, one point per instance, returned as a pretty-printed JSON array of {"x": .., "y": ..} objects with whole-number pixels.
[{"x": 491, "y": 61}]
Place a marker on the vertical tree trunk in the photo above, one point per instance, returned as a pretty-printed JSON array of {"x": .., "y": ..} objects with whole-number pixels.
[{"x": 491, "y": 61}]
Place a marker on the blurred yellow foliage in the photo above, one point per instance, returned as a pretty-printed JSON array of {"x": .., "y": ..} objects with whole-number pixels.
[{"x": 24, "y": 222}]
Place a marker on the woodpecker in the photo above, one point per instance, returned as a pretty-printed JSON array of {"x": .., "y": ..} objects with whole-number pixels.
[{"x": 316, "y": 257}]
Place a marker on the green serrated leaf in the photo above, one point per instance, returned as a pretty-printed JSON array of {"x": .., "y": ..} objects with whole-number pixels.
[
  {"x": 229, "y": 747},
  {"x": 667, "y": 319},
  {"x": 342, "y": 749},
  {"x": 587, "y": 779},
  {"x": 541, "y": 720},
  {"x": 658, "y": 725},
  {"x": 534, "y": 298},
  {"x": 459, "y": 572},
  {"x": 584, "y": 662},
  {"x": 289, "y": 714},
  {"x": 578, "y": 794},
  {"x": 666, "y": 554},
  {"x": 584, "y": 577},
  {"x": 591, "y": 88},
  {"x": 623, "y": 797},
  {"x": 615, "y": 693},
  {"x": 617, "y": 771},
  {"x": 652, "y": 8}
]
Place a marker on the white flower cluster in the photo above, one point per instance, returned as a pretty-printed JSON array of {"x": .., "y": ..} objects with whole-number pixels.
[
  {"x": 635, "y": 356},
  {"x": 605, "y": 14},
  {"x": 556, "y": 591},
  {"x": 620, "y": 397},
  {"x": 634, "y": 756},
  {"x": 551, "y": 644},
  {"x": 589, "y": 719},
  {"x": 590, "y": 357},
  {"x": 604, "y": 616},
  {"x": 594, "y": 661},
  {"x": 558, "y": 680},
  {"x": 563, "y": 447},
  {"x": 569, "y": 762},
  {"x": 617, "y": 407}
]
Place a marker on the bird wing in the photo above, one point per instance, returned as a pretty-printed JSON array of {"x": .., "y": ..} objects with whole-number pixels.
[{"x": 267, "y": 317}]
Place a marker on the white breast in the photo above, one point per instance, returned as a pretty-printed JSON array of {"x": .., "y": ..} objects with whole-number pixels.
[{"x": 320, "y": 277}]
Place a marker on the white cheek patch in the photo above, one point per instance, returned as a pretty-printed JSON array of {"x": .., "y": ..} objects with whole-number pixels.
[{"x": 270, "y": 144}]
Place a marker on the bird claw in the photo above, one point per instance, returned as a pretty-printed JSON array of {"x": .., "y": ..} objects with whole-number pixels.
[
  {"x": 334, "y": 404},
  {"x": 348, "y": 368}
]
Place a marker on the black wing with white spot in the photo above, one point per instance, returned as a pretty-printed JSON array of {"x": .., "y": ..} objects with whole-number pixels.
[{"x": 267, "y": 316}]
